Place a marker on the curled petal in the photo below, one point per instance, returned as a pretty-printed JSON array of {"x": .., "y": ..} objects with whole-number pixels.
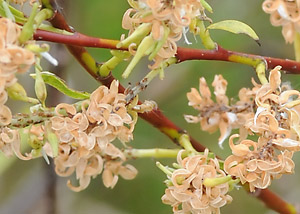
[
  {"x": 5, "y": 115},
  {"x": 70, "y": 109},
  {"x": 128, "y": 172},
  {"x": 181, "y": 196},
  {"x": 275, "y": 78},
  {"x": 83, "y": 184},
  {"x": 114, "y": 152},
  {"x": 94, "y": 166},
  {"x": 80, "y": 167},
  {"x": 109, "y": 180},
  {"x": 16, "y": 146},
  {"x": 115, "y": 120},
  {"x": 82, "y": 121}
]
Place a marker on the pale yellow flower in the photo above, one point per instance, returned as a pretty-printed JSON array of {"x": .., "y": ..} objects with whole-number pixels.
[
  {"x": 277, "y": 113},
  {"x": 107, "y": 108},
  {"x": 114, "y": 168},
  {"x": 188, "y": 194},
  {"x": 168, "y": 21},
  {"x": 257, "y": 163},
  {"x": 13, "y": 59},
  {"x": 85, "y": 138},
  {"x": 219, "y": 115}
]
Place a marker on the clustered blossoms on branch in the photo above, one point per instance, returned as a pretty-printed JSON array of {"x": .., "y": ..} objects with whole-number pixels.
[
  {"x": 85, "y": 138},
  {"x": 187, "y": 190},
  {"x": 221, "y": 115},
  {"x": 284, "y": 13},
  {"x": 157, "y": 25},
  {"x": 275, "y": 122},
  {"x": 80, "y": 141},
  {"x": 13, "y": 59}
]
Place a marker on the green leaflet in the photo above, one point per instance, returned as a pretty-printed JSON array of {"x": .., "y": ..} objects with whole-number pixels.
[
  {"x": 206, "y": 6},
  {"x": 236, "y": 27},
  {"x": 19, "y": 16},
  {"x": 59, "y": 84}
]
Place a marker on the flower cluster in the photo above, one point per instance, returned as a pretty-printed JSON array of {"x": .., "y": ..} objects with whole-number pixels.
[
  {"x": 85, "y": 138},
  {"x": 270, "y": 111},
  {"x": 188, "y": 193},
  {"x": 164, "y": 21},
  {"x": 220, "y": 114},
  {"x": 13, "y": 59},
  {"x": 284, "y": 13},
  {"x": 257, "y": 162},
  {"x": 276, "y": 122}
]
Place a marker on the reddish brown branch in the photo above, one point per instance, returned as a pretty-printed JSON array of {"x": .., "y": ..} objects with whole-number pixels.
[
  {"x": 183, "y": 54},
  {"x": 222, "y": 54},
  {"x": 77, "y": 39},
  {"x": 274, "y": 202}
]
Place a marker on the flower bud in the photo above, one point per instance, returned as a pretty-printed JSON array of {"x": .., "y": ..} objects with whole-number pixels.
[{"x": 17, "y": 92}]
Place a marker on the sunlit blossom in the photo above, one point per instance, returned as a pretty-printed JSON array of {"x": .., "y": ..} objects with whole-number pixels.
[
  {"x": 257, "y": 163},
  {"x": 166, "y": 21},
  {"x": 13, "y": 59},
  {"x": 85, "y": 138},
  {"x": 188, "y": 194},
  {"x": 220, "y": 114}
]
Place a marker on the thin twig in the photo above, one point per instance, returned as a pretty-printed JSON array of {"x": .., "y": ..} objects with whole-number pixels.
[{"x": 183, "y": 54}]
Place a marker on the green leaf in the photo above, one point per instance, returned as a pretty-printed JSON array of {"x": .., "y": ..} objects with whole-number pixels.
[
  {"x": 59, "y": 84},
  {"x": 206, "y": 6},
  {"x": 236, "y": 27}
]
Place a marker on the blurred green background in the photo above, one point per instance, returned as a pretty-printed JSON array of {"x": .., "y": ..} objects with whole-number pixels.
[{"x": 31, "y": 187}]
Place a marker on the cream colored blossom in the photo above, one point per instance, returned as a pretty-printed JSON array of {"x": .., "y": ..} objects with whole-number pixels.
[
  {"x": 114, "y": 168},
  {"x": 257, "y": 163},
  {"x": 277, "y": 114},
  {"x": 284, "y": 13},
  {"x": 167, "y": 21},
  {"x": 85, "y": 138},
  {"x": 219, "y": 115},
  {"x": 271, "y": 111},
  {"x": 13, "y": 59},
  {"x": 107, "y": 108},
  {"x": 188, "y": 194}
]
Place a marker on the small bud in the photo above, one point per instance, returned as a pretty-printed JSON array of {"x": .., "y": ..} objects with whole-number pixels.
[
  {"x": 40, "y": 86},
  {"x": 139, "y": 34},
  {"x": 145, "y": 48},
  {"x": 37, "y": 48},
  {"x": 28, "y": 28},
  {"x": 17, "y": 92},
  {"x": 211, "y": 182}
]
